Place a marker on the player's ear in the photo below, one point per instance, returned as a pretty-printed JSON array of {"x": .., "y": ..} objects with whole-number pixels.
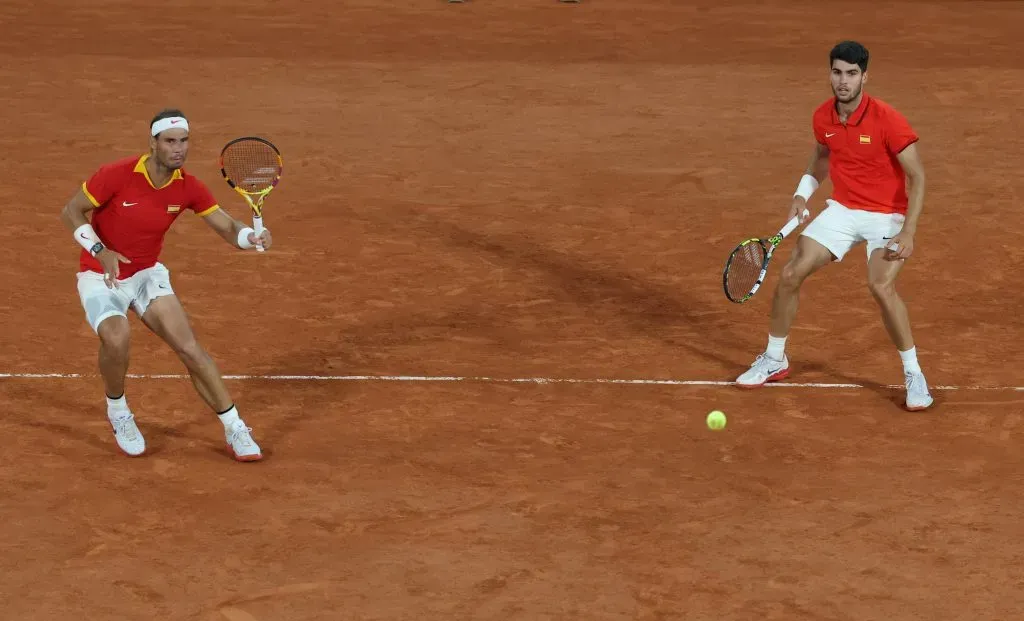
[{"x": 152, "y": 143}]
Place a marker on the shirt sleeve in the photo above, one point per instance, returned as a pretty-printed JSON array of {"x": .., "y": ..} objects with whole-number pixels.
[
  {"x": 898, "y": 133},
  {"x": 818, "y": 128},
  {"x": 100, "y": 187},
  {"x": 201, "y": 200}
]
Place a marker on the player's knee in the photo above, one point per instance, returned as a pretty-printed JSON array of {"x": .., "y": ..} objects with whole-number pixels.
[
  {"x": 882, "y": 288},
  {"x": 115, "y": 335},
  {"x": 794, "y": 274},
  {"x": 190, "y": 352}
]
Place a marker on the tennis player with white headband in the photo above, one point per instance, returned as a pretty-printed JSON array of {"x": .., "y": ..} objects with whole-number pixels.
[{"x": 134, "y": 201}]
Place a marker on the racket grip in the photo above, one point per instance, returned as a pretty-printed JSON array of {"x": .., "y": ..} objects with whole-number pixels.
[
  {"x": 257, "y": 227},
  {"x": 793, "y": 223}
]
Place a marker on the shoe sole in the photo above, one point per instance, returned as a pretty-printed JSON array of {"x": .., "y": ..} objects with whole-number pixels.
[
  {"x": 774, "y": 377},
  {"x": 131, "y": 454},
  {"x": 244, "y": 458},
  {"x": 917, "y": 408}
]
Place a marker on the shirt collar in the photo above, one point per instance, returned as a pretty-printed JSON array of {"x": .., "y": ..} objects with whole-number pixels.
[
  {"x": 140, "y": 167},
  {"x": 858, "y": 114}
]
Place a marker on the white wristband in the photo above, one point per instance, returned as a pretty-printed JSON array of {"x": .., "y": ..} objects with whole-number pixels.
[
  {"x": 808, "y": 184},
  {"x": 86, "y": 236},
  {"x": 243, "y": 238}
]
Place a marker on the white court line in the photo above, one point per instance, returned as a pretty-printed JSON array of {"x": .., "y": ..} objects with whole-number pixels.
[{"x": 493, "y": 380}]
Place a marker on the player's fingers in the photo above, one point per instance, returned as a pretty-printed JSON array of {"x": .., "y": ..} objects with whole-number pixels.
[{"x": 123, "y": 259}]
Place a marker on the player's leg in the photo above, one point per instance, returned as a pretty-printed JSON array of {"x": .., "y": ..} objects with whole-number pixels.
[
  {"x": 106, "y": 312},
  {"x": 882, "y": 275},
  {"x": 167, "y": 319},
  {"x": 825, "y": 240},
  {"x": 808, "y": 257},
  {"x": 163, "y": 313},
  {"x": 115, "y": 339}
]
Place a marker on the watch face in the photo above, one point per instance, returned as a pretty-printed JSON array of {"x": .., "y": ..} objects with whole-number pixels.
[{"x": 96, "y": 248}]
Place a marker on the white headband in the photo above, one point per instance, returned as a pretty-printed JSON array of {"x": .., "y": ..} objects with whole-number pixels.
[{"x": 174, "y": 122}]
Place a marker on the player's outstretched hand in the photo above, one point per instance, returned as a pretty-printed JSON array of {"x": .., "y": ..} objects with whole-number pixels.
[
  {"x": 111, "y": 262},
  {"x": 797, "y": 209},
  {"x": 264, "y": 238}
]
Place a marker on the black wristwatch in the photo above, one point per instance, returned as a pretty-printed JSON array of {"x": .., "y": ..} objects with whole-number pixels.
[{"x": 96, "y": 248}]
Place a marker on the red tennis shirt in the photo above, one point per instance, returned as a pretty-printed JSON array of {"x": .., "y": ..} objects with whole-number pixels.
[
  {"x": 132, "y": 216},
  {"x": 863, "y": 166}
]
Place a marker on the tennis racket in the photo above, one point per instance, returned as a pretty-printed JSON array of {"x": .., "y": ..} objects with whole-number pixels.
[
  {"x": 748, "y": 263},
  {"x": 253, "y": 167}
]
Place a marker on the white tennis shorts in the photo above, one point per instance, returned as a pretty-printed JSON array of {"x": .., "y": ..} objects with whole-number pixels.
[
  {"x": 137, "y": 291},
  {"x": 840, "y": 228}
]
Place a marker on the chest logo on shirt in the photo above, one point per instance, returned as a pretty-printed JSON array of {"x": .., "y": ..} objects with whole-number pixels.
[
  {"x": 865, "y": 139},
  {"x": 127, "y": 204},
  {"x": 173, "y": 208}
]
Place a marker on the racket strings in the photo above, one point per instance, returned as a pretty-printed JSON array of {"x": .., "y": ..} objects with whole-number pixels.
[
  {"x": 251, "y": 165},
  {"x": 744, "y": 269}
]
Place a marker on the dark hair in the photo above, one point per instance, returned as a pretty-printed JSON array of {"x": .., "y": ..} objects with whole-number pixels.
[
  {"x": 851, "y": 52},
  {"x": 166, "y": 113}
]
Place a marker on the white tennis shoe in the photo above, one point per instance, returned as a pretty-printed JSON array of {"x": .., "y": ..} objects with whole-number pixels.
[
  {"x": 241, "y": 444},
  {"x": 918, "y": 397},
  {"x": 764, "y": 370},
  {"x": 127, "y": 433}
]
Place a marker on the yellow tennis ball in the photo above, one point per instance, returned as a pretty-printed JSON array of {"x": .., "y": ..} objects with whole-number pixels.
[{"x": 716, "y": 420}]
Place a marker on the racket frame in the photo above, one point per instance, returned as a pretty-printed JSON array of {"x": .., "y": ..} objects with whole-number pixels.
[
  {"x": 254, "y": 199},
  {"x": 768, "y": 246}
]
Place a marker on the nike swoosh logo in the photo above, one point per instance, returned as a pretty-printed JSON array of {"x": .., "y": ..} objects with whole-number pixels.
[
  {"x": 127, "y": 204},
  {"x": 830, "y": 135}
]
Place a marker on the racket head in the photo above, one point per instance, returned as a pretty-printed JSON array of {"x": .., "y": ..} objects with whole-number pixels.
[
  {"x": 251, "y": 165},
  {"x": 743, "y": 270}
]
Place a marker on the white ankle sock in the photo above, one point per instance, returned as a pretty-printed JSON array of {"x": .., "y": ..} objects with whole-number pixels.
[
  {"x": 910, "y": 364},
  {"x": 776, "y": 347},
  {"x": 117, "y": 406},
  {"x": 230, "y": 417}
]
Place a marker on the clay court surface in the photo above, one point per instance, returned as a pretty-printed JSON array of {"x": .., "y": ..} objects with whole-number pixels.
[{"x": 509, "y": 190}]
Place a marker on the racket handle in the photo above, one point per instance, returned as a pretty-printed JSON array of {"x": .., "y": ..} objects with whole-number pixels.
[
  {"x": 257, "y": 227},
  {"x": 793, "y": 223}
]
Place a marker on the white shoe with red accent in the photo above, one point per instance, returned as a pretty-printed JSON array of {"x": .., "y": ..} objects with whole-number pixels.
[
  {"x": 918, "y": 397},
  {"x": 241, "y": 444},
  {"x": 764, "y": 370},
  {"x": 127, "y": 433}
]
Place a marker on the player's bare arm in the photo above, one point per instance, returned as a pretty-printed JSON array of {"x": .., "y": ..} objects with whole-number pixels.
[
  {"x": 73, "y": 216},
  {"x": 902, "y": 244},
  {"x": 234, "y": 231},
  {"x": 815, "y": 173}
]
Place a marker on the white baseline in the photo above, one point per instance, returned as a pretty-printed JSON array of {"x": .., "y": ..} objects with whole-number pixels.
[{"x": 493, "y": 380}]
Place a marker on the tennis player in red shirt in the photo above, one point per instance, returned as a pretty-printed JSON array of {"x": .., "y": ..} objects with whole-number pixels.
[
  {"x": 869, "y": 150},
  {"x": 133, "y": 202}
]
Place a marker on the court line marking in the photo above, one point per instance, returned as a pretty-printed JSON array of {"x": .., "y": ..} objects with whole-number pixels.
[{"x": 493, "y": 380}]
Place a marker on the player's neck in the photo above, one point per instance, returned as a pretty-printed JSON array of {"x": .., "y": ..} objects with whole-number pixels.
[
  {"x": 845, "y": 110},
  {"x": 158, "y": 173}
]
